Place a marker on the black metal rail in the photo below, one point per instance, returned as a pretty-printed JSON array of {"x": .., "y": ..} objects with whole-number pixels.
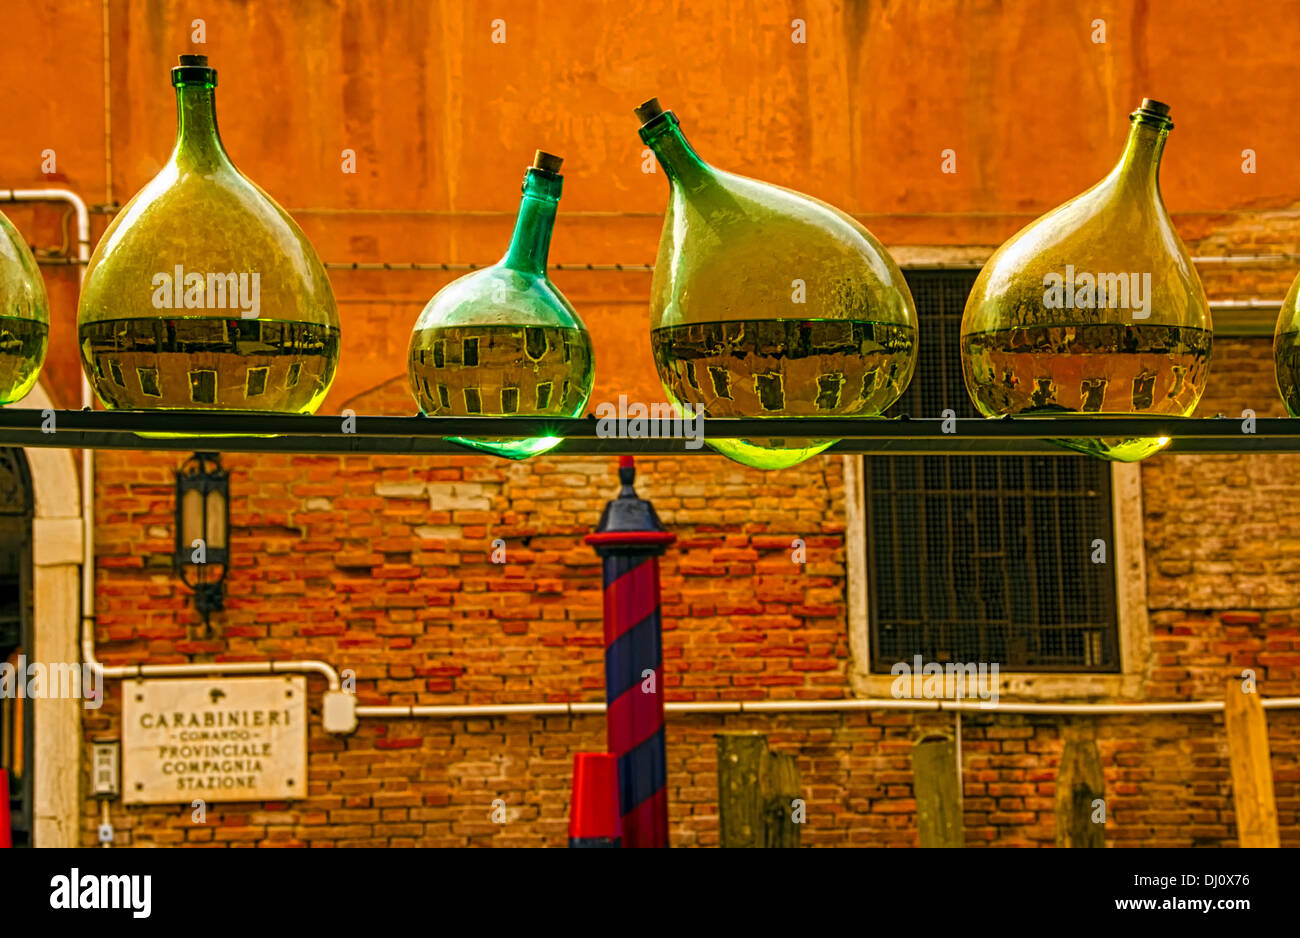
[{"x": 342, "y": 434}]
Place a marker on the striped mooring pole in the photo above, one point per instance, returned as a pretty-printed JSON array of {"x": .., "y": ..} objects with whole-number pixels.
[{"x": 630, "y": 540}]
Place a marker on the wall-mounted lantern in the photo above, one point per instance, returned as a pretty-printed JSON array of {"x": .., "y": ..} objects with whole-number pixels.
[{"x": 202, "y": 525}]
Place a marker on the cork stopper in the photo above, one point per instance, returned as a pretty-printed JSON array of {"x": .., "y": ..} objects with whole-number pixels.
[
  {"x": 649, "y": 111},
  {"x": 547, "y": 161},
  {"x": 194, "y": 70},
  {"x": 1153, "y": 113}
]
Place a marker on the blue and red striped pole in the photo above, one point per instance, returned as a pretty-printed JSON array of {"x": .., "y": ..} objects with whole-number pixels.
[{"x": 630, "y": 540}]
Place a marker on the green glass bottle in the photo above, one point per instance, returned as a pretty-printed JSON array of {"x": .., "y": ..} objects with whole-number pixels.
[
  {"x": 24, "y": 316},
  {"x": 1095, "y": 308},
  {"x": 1286, "y": 350},
  {"x": 504, "y": 341},
  {"x": 203, "y": 294},
  {"x": 767, "y": 303}
]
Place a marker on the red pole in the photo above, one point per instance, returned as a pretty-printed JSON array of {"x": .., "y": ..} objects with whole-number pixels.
[
  {"x": 594, "y": 814},
  {"x": 6, "y": 835},
  {"x": 630, "y": 540}
]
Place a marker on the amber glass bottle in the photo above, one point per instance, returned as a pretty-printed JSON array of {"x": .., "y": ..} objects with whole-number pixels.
[
  {"x": 203, "y": 294},
  {"x": 770, "y": 303},
  {"x": 1095, "y": 308}
]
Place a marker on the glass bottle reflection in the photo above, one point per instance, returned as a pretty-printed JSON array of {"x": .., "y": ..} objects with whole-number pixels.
[
  {"x": 203, "y": 293},
  {"x": 24, "y": 316},
  {"x": 1095, "y": 308},
  {"x": 505, "y": 341},
  {"x": 767, "y": 302}
]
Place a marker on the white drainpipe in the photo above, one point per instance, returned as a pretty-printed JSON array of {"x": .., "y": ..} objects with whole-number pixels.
[
  {"x": 87, "y": 457},
  {"x": 816, "y": 706}
]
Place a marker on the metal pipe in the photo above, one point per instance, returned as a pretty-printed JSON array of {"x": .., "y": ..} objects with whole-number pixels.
[
  {"x": 423, "y": 435},
  {"x": 87, "y": 455},
  {"x": 642, "y": 267},
  {"x": 207, "y": 667},
  {"x": 1246, "y": 258},
  {"x": 213, "y": 667},
  {"x": 847, "y": 704},
  {"x": 362, "y": 427},
  {"x": 1198, "y": 706},
  {"x": 1249, "y": 303},
  {"x": 108, "y": 108}
]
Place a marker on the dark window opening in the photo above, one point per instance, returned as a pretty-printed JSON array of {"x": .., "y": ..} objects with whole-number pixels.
[
  {"x": 255, "y": 381},
  {"x": 984, "y": 559},
  {"x": 149, "y": 381},
  {"x": 203, "y": 387},
  {"x": 534, "y": 343}
]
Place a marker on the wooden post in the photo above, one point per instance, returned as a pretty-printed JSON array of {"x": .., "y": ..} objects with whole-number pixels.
[
  {"x": 740, "y": 822},
  {"x": 778, "y": 783},
  {"x": 755, "y": 789},
  {"x": 1079, "y": 783},
  {"x": 938, "y": 800},
  {"x": 1252, "y": 775}
]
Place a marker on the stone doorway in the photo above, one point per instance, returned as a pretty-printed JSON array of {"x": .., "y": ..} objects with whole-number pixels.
[{"x": 17, "y": 715}]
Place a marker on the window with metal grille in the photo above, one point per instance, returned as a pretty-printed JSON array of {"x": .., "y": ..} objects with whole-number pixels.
[{"x": 989, "y": 559}]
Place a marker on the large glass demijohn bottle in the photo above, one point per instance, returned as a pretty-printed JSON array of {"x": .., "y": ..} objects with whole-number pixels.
[
  {"x": 24, "y": 316},
  {"x": 770, "y": 303},
  {"x": 504, "y": 341},
  {"x": 1286, "y": 350},
  {"x": 203, "y": 293},
  {"x": 1095, "y": 308}
]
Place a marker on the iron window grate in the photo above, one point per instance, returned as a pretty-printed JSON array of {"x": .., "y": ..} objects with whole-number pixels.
[{"x": 984, "y": 559}]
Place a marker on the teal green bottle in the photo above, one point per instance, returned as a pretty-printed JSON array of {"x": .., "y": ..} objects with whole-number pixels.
[
  {"x": 504, "y": 341},
  {"x": 769, "y": 303}
]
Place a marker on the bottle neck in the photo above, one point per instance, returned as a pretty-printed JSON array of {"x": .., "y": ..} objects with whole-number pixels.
[
  {"x": 198, "y": 143},
  {"x": 531, "y": 243},
  {"x": 682, "y": 165},
  {"x": 1138, "y": 169}
]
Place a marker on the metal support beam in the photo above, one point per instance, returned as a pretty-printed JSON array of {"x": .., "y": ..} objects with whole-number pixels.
[{"x": 279, "y": 433}]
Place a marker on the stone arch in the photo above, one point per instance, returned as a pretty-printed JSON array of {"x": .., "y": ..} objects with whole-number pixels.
[{"x": 56, "y": 589}]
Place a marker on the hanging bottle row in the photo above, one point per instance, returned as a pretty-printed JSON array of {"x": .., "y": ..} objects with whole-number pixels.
[{"x": 204, "y": 294}]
